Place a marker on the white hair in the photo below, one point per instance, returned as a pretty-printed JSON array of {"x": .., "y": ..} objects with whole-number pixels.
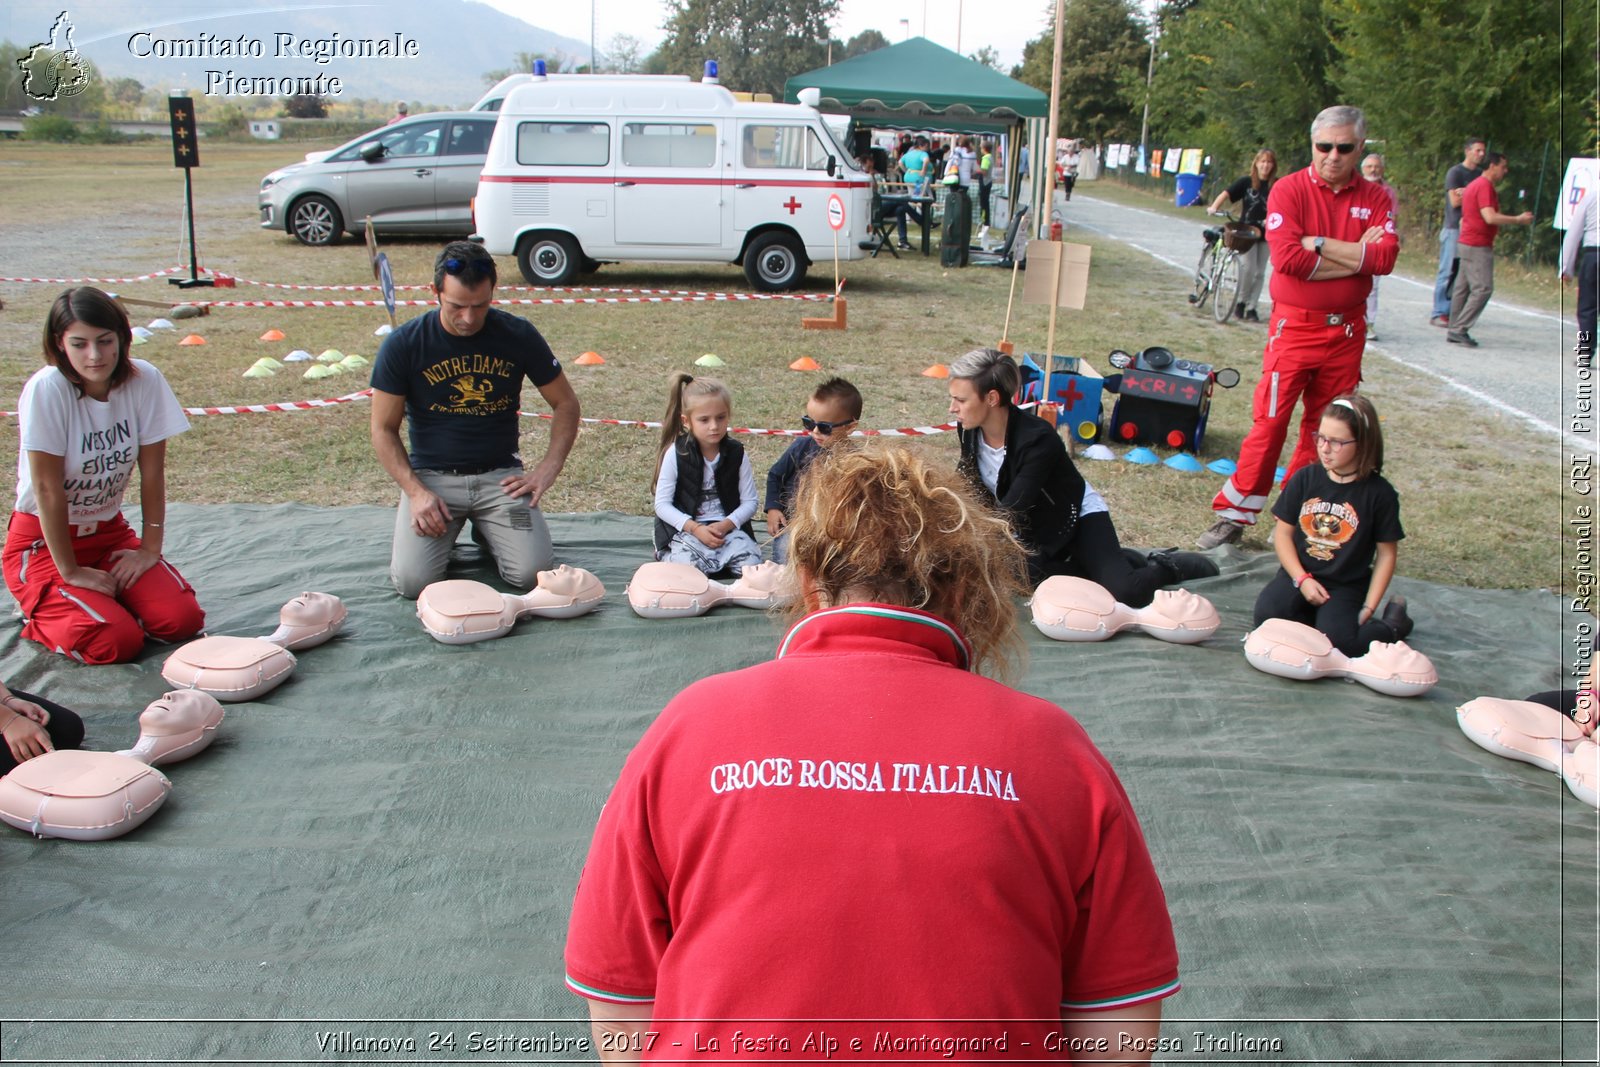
[{"x": 1341, "y": 115}]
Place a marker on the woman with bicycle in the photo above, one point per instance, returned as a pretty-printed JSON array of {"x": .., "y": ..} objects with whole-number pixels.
[{"x": 1251, "y": 190}]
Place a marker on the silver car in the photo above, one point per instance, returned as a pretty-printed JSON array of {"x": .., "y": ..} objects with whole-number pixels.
[{"x": 414, "y": 176}]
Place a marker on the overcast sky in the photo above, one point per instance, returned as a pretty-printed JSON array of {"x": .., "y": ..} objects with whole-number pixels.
[{"x": 1004, "y": 25}]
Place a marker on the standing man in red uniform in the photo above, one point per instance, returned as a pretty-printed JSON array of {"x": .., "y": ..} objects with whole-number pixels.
[
  {"x": 1480, "y": 222},
  {"x": 1330, "y": 231}
]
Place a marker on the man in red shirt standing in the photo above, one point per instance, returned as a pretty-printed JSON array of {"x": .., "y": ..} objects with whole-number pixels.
[
  {"x": 1330, "y": 231},
  {"x": 1480, "y": 221}
]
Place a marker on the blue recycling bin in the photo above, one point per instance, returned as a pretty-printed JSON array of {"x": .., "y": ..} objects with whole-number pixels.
[{"x": 1189, "y": 189}]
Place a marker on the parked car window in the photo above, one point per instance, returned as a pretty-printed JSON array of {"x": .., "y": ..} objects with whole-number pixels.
[
  {"x": 408, "y": 140},
  {"x": 662, "y": 144},
  {"x": 469, "y": 138},
  {"x": 564, "y": 144},
  {"x": 787, "y": 147}
]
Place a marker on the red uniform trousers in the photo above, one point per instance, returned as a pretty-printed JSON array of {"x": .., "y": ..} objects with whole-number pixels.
[
  {"x": 89, "y": 626},
  {"x": 1305, "y": 358}
]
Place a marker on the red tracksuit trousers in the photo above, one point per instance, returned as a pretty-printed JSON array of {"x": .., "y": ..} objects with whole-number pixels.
[
  {"x": 1305, "y": 360},
  {"x": 89, "y": 626}
]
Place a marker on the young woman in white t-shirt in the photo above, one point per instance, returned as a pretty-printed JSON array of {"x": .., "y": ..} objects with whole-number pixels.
[{"x": 88, "y": 586}]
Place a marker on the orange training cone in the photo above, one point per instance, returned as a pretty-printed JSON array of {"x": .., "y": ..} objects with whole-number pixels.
[
  {"x": 193, "y": 339},
  {"x": 938, "y": 370},
  {"x": 272, "y": 335},
  {"x": 805, "y": 363},
  {"x": 590, "y": 359}
]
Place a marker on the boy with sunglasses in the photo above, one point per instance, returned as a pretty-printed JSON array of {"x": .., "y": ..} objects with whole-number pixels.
[
  {"x": 1330, "y": 232},
  {"x": 832, "y": 412}
]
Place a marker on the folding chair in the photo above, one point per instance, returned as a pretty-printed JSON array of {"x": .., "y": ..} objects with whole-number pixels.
[{"x": 883, "y": 227}]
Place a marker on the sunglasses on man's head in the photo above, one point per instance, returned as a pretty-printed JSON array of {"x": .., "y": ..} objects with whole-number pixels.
[
  {"x": 1344, "y": 147},
  {"x": 825, "y": 428},
  {"x": 456, "y": 266}
]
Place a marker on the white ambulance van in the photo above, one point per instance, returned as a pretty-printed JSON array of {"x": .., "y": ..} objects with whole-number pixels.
[{"x": 584, "y": 170}]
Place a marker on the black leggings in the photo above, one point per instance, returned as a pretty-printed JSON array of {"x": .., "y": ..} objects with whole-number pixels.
[
  {"x": 1336, "y": 618},
  {"x": 1094, "y": 553},
  {"x": 65, "y": 728}
]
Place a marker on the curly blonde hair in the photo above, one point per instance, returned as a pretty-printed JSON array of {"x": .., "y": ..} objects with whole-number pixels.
[{"x": 879, "y": 522}]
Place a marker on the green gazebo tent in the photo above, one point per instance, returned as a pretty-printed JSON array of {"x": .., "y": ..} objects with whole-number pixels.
[{"x": 919, "y": 85}]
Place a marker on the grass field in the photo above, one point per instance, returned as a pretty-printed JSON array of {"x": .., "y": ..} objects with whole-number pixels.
[{"x": 117, "y": 211}]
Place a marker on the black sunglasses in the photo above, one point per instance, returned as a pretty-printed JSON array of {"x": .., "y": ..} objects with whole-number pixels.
[
  {"x": 456, "y": 266},
  {"x": 825, "y": 428},
  {"x": 1344, "y": 147}
]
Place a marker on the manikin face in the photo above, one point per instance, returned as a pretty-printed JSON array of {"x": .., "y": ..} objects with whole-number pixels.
[
  {"x": 463, "y": 309},
  {"x": 1335, "y": 167},
  {"x": 707, "y": 422},
  {"x": 967, "y": 406},
  {"x": 832, "y": 412},
  {"x": 93, "y": 353}
]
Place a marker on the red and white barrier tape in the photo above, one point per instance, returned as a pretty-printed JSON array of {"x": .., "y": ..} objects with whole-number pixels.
[
  {"x": 255, "y": 409},
  {"x": 101, "y": 281},
  {"x": 644, "y": 424},
  {"x": 691, "y": 299},
  {"x": 638, "y": 296},
  {"x": 640, "y": 424}
]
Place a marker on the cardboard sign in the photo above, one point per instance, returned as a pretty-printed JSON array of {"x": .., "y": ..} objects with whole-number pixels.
[{"x": 1042, "y": 256}]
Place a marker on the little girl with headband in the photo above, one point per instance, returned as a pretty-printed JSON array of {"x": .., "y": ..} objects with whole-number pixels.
[{"x": 1337, "y": 536}]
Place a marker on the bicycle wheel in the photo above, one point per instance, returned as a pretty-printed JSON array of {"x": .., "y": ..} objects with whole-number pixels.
[
  {"x": 1202, "y": 277},
  {"x": 1227, "y": 287}
]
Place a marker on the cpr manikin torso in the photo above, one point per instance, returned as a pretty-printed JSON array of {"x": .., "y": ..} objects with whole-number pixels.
[
  {"x": 677, "y": 590},
  {"x": 243, "y": 668},
  {"x": 92, "y": 796},
  {"x": 460, "y": 612},
  {"x": 1075, "y": 609},
  {"x": 1533, "y": 733},
  {"x": 1300, "y": 652}
]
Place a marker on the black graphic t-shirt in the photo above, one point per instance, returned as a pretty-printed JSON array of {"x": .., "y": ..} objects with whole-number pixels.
[
  {"x": 462, "y": 393},
  {"x": 1339, "y": 525}
]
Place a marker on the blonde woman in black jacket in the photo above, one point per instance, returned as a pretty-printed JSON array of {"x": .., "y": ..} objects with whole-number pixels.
[{"x": 1019, "y": 461}]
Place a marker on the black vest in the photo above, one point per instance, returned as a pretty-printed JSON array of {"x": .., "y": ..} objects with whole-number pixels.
[{"x": 692, "y": 480}]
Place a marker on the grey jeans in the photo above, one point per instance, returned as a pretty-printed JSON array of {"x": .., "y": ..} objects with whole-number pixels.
[
  {"x": 514, "y": 533},
  {"x": 1474, "y": 285}
]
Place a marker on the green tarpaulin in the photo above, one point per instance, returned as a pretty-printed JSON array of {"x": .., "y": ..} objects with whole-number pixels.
[{"x": 376, "y": 861}]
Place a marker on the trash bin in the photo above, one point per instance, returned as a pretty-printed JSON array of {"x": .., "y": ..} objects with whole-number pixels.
[
  {"x": 1189, "y": 189},
  {"x": 956, "y": 230}
]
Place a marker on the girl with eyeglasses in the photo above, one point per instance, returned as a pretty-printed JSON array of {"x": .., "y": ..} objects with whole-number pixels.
[
  {"x": 705, "y": 490},
  {"x": 1337, "y": 536}
]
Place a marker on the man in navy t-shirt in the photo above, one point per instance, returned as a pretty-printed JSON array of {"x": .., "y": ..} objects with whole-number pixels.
[{"x": 457, "y": 375}]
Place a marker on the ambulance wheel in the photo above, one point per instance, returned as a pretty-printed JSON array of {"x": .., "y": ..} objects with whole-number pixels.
[
  {"x": 775, "y": 262},
  {"x": 548, "y": 259}
]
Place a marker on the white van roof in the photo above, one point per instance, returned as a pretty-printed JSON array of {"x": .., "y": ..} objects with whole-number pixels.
[
  {"x": 635, "y": 93},
  {"x": 494, "y": 99}
]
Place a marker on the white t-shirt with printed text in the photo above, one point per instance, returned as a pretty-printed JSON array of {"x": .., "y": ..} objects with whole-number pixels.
[{"x": 99, "y": 440}]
